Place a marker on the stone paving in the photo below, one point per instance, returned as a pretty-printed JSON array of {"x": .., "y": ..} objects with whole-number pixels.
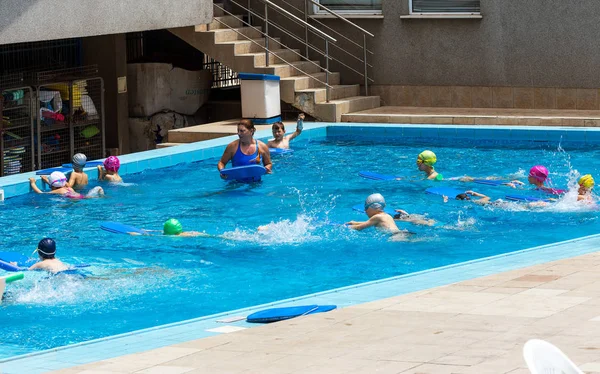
[{"x": 476, "y": 326}]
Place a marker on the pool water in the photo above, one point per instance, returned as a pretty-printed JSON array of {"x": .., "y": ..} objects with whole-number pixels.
[{"x": 139, "y": 282}]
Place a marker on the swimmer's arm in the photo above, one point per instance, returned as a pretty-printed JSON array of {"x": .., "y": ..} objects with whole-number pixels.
[
  {"x": 100, "y": 173},
  {"x": 226, "y": 157},
  {"x": 299, "y": 127},
  {"x": 34, "y": 187},
  {"x": 36, "y": 266},
  {"x": 513, "y": 183},
  {"x": 363, "y": 225},
  {"x": 401, "y": 214},
  {"x": 72, "y": 180},
  {"x": 266, "y": 155}
]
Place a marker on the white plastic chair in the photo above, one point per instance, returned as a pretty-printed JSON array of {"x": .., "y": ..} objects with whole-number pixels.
[{"x": 544, "y": 358}]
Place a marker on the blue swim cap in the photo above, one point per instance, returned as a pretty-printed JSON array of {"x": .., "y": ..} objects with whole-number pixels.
[{"x": 47, "y": 248}]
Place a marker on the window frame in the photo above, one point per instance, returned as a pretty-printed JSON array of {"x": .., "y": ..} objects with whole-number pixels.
[
  {"x": 319, "y": 11},
  {"x": 410, "y": 11}
]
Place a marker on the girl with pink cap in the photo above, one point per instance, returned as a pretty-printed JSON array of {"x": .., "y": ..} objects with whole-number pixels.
[
  {"x": 538, "y": 176},
  {"x": 110, "y": 171}
]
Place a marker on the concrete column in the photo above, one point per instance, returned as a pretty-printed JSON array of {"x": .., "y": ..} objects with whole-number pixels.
[{"x": 110, "y": 54}]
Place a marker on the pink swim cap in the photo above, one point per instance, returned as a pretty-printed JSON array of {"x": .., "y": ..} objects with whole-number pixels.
[
  {"x": 112, "y": 163},
  {"x": 539, "y": 172}
]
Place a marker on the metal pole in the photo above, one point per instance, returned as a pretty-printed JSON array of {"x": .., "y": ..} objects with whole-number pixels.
[
  {"x": 327, "y": 68},
  {"x": 266, "y": 34},
  {"x": 306, "y": 27},
  {"x": 249, "y": 12},
  {"x": 365, "y": 57}
]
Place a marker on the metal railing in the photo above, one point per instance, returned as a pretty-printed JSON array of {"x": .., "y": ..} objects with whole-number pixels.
[{"x": 253, "y": 15}]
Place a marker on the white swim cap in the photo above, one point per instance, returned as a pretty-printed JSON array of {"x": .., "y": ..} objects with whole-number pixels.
[
  {"x": 57, "y": 179},
  {"x": 375, "y": 201}
]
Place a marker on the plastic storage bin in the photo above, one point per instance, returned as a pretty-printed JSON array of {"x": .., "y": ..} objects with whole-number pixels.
[{"x": 260, "y": 97}]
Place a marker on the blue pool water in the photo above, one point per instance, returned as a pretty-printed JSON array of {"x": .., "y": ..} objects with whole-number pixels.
[{"x": 139, "y": 282}]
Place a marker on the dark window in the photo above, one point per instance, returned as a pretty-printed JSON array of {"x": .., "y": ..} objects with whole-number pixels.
[{"x": 445, "y": 6}]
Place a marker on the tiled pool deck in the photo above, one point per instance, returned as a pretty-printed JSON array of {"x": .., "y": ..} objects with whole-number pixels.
[{"x": 398, "y": 325}]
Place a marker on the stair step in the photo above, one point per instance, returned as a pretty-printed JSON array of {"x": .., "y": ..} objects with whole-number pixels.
[
  {"x": 284, "y": 70},
  {"x": 333, "y": 110},
  {"x": 225, "y": 21},
  {"x": 302, "y": 82},
  {"x": 289, "y": 55},
  {"x": 254, "y": 46},
  {"x": 224, "y": 35},
  {"x": 319, "y": 95}
]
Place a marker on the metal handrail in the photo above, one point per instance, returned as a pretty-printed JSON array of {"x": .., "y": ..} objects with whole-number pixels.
[
  {"x": 342, "y": 35},
  {"x": 342, "y": 18},
  {"x": 263, "y": 47}
]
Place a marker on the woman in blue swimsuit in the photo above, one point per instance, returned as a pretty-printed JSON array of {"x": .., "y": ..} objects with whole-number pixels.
[{"x": 246, "y": 150}]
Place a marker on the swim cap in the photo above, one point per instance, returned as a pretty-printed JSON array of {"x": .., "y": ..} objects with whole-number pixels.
[
  {"x": 46, "y": 248},
  {"x": 375, "y": 201},
  {"x": 427, "y": 158},
  {"x": 539, "y": 172},
  {"x": 112, "y": 163},
  {"x": 172, "y": 227},
  {"x": 79, "y": 161},
  {"x": 57, "y": 179},
  {"x": 586, "y": 181}
]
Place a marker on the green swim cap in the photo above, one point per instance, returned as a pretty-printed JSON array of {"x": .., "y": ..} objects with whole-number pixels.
[
  {"x": 427, "y": 158},
  {"x": 172, "y": 227}
]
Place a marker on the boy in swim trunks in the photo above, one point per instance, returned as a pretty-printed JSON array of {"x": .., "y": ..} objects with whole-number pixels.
[
  {"x": 110, "y": 172},
  {"x": 78, "y": 178},
  {"x": 425, "y": 162},
  {"x": 382, "y": 221},
  {"x": 281, "y": 140},
  {"x": 46, "y": 250}
]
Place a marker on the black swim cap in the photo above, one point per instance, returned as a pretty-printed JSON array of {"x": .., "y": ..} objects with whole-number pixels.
[
  {"x": 47, "y": 248},
  {"x": 462, "y": 196}
]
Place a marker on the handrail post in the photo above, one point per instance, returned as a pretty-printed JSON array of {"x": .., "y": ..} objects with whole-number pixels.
[
  {"x": 306, "y": 27},
  {"x": 249, "y": 12},
  {"x": 327, "y": 89},
  {"x": 365, "y": 59},
  {"x": 266, "y": 34}
]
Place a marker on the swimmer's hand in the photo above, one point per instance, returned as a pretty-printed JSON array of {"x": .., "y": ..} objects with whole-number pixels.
[
  {"x": 45, "y": 179},
  {"x": 513, "y": 184},
  {"x": 350, "y": 223},
  {"x": 223, "y": 176},
  {"x": 445, "y": 198},
  {"x": 401, "y": 214},
  {"x": 300, "y": 123}
]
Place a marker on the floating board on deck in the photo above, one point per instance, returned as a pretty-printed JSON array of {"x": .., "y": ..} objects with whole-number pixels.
[
  {"x": 52, "y": 170},
  {"x": 119, "y": 228},
  {"x": 280, "y": 314},
  {"x": 249, "y": 173},
  {"x": 377, "y": 176},
  {"x": 88, "y": 164},
  {"x": 444, "y": 191}
]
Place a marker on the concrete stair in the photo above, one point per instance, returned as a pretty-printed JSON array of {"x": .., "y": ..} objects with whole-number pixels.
[{"x": 226, "y": 40}]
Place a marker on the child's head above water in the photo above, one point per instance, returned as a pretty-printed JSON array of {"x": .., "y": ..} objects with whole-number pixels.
[
  {"x": 79, "y": 160},
  {"x": 172, "y": 227},
  {"x": 586, "y": 183},
  {"x": 278, "y": 129},
  {"x": 57, "y": 180},
  {"x": 376, "y": 202},
  {"x": 112, "y": 164},
  {"x": 537, "y": 174},
  {"x": 46, "y": 248},
  {"x": 463, "y": 196},
  {"x": 426, "y": 158}
]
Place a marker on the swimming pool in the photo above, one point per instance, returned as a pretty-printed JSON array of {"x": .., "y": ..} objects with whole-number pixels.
[{"x": 146, "y": 281}]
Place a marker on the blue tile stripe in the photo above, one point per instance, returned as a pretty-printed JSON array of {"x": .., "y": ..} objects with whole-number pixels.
[{"x": 179, "y": 332}]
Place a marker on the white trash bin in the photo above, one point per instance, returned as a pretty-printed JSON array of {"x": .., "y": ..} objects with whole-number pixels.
[{"x": 260, "y": 97}]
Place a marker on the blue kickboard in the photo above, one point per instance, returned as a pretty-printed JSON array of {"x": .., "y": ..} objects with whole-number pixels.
[
  {"x": 376, "y": 176},
  {"x": 119, "y": 228},
  {"x": 280, "y": 151},
  {"x": 444, "y": 191},
  {"x": 51, "y": 170},
  {"x": 361, "y": 208},
  {"x": 490, "y": 182},
  {"x": 526, "y": 198},
  {"x": 280, "y": 314},
  {"x": 250, "y": 173},
  {"x": 88, "y": 164},
  {"x": 23, "y": 261}
]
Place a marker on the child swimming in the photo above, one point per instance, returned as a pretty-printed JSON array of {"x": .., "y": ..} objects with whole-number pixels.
[
  {"x": 374, "y": 206},
  {"x": 281, "y": 140},
  {"x": 46, "y": 250},
  {"x": 425, "y": 162},
  {"x": 415, "y": 219},
  {"x": 58, "y": 185},
  {"x": 586, "y": 184},
  {"x": 173, "y": 227},
  {"x": 78, "y": 178},
  {"x": 110, "y": 171}
]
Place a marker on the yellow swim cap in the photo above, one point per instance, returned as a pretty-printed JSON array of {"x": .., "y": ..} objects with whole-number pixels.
[
  {"x": 427, "y": 158},
  {"x": 586, "y": 181}
]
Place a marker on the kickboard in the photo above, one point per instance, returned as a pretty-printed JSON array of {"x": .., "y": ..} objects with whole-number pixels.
[
  {"x": 23, "y": 262},
  {"x": 89, "y": 164},
  {"x": 376, "y": 176},
  {"x": 280, "y": 151},
  {"x": 119, "y": 228},
  {"x": 444, "y": 191},
  {"x": 280, "y": 314},
  {"x": 250, "y": 173},
  {"x": 526, "y": 198},
  {"x": 361, "y": 208},
  {"x": 490, "y": 182},
  {"x": 51, "y": 170}
]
